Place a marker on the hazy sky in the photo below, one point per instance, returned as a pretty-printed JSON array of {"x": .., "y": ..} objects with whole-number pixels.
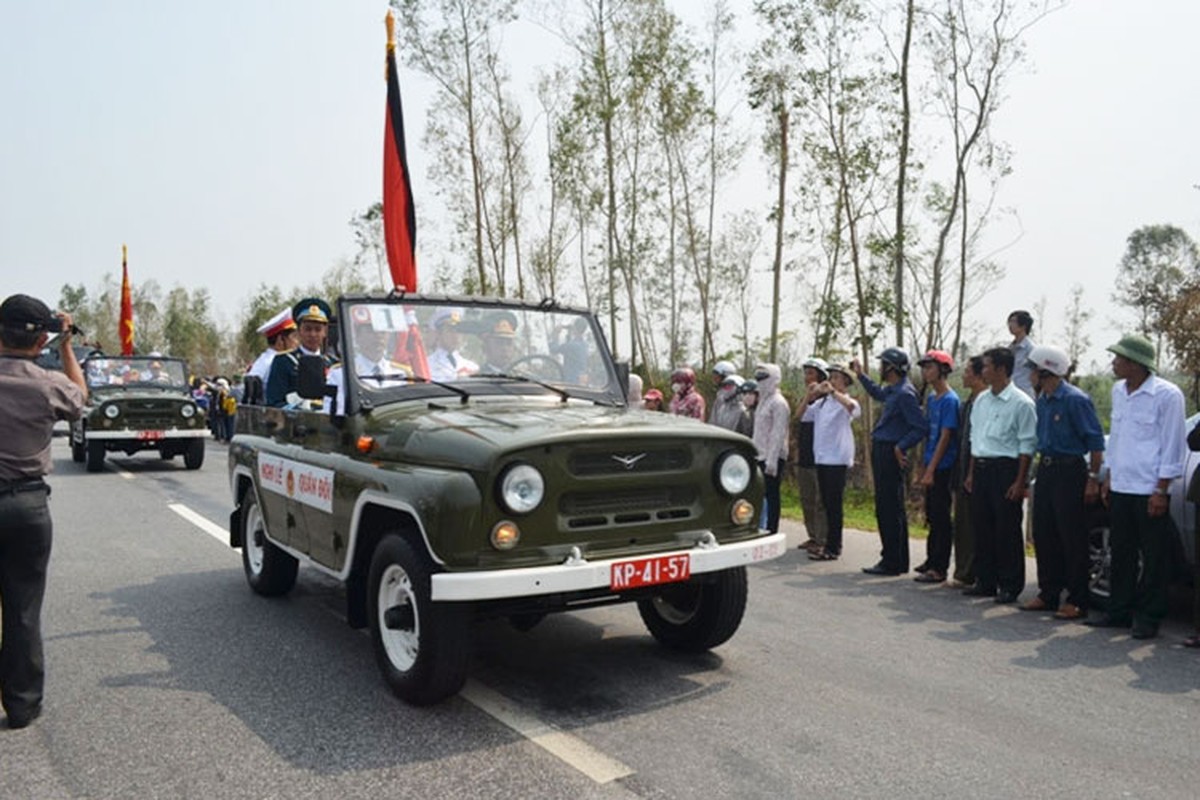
[{"x": 229, "y": 143}]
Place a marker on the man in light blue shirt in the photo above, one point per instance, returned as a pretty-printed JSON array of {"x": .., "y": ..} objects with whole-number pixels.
[{"x": 1003, "y": 438}]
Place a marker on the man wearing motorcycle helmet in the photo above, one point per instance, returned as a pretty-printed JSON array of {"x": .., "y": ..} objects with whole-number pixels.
[
  {"x": 728, "y": 411},
  {"x": 940, "y": 456},
  {"x": 1067, "y": 430},
  {"x": 901, "y": 425},
  {"x": 685, "y": 400}
]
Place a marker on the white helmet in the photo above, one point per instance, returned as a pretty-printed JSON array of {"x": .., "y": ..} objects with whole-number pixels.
[
  {"x": 721, "y": 369},
  {"x": 819, "y": 364},
  {"x": 1049, "y": 358}
]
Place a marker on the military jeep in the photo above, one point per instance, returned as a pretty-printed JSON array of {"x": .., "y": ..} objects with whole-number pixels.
[
  {"x": 138, "y": 403},
  {"x": 474, "y": 458}
]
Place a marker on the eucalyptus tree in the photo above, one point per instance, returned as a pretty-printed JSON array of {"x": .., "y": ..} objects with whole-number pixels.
[
  {"x": 455, "y": 42},
  {"x": 1159, "y": 261}
]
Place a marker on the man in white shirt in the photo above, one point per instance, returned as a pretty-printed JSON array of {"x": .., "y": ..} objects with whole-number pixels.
[
  {"x": 446, "y": 363},
  {"x": 1146, "y": 451},
  {"x": 280, "y": 332},
  {"x": 1020, "y": 325}
]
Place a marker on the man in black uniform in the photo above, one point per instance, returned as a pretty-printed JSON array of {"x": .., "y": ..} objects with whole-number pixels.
[
  {"x": 31, "y": 399},
  {"x": 312, "y": 315}
]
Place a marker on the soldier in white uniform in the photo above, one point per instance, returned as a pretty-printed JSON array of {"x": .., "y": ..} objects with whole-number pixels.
[
  {"x": 371, "y": 365},
  {"x": 445, "y": 362},
  {"x": 280, "y": 331}
]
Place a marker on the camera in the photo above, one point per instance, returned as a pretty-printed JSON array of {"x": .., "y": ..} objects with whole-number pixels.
[{"x": 56, "y": 326}]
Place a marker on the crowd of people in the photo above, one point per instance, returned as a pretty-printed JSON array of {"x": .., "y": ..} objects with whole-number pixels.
[{"x": 976, "y": 457}]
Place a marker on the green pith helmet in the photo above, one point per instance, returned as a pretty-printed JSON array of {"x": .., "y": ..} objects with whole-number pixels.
[{"x": 1137, "y": 349}]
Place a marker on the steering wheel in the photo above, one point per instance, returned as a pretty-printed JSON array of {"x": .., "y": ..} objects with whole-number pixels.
[{"x": 555, "y": 373}]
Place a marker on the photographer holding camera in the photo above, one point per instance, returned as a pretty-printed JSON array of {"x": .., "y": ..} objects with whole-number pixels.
[{"x": 31, "y": 399}]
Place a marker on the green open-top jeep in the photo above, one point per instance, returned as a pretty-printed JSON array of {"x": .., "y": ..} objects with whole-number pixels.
[
  {"x": 476, "y": 458},
  {"x": 138, "y": 403}
]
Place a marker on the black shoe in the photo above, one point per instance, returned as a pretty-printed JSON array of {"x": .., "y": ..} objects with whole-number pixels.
[
  {"x": 1108, "y": 621},
  {"x": 923, "y": 568},
  {"x": 18, "y": 721},
  {"x": 1004, "y": 598},
  {"x": 882, "y": 569},
  {"x": 979, "y": 591},
  {"x": 1144, "y": 630}
]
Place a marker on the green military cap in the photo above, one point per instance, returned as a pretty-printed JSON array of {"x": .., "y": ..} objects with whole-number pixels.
[
  {"x": 1137, "y": 349},
  {"x": 311, "y": 308}
]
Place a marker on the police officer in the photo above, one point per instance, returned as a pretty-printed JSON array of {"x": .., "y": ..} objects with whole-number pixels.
[
  {"x": 312, "y": 317},
  {"x": 31, "y": 399},
  {"x": 1067, "y": 430}
]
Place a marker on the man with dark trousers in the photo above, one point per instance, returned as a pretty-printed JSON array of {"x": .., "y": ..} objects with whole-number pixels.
[
  {"x": 1003, "y": 438},
  {"x": 964, "y": 534},
  {"x": 1146, "y": 452},
  {"x": 31, "y": 399},
  {"x": 900, "y": 426},
  {"x": 1067, "y": 431}
]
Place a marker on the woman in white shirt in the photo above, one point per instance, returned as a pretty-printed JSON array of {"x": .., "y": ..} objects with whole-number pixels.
[{"x": 831, "y": 410}]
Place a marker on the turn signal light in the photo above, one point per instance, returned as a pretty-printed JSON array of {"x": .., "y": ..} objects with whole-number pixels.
[
  {"x": 742, "y": 513},
  {"x": 365, "y": 444}
]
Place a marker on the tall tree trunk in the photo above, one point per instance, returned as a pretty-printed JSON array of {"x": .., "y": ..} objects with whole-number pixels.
[
  {"x": 902, "y": 174},
  {"x": 780, "y": 213}
]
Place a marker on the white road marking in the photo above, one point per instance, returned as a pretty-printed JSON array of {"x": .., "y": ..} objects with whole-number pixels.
[
  {"x": 203, "y": 523},
  {"x": 570, "y": 749}
]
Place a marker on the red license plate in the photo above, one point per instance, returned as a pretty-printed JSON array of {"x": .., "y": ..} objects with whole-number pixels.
[
  {"x": 650, "y": 571},
  {"x": 150, "y": 436}
]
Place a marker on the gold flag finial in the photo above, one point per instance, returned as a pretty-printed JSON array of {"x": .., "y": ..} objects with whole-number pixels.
[{"x": 390, "y": 22}]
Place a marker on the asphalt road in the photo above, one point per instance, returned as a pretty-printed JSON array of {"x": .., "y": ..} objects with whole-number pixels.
[{"x": 168, "y": 678}]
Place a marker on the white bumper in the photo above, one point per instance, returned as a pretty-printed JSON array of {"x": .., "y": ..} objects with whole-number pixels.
[
  {"x": 582, "y": 575},
  {"x": 127, "y": 434}
]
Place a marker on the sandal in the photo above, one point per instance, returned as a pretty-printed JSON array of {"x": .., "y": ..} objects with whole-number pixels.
[
  {"x": 931, "y": 576},
  {"x": 821, "y": 554},
  {"x": 1192, "y": 641}
]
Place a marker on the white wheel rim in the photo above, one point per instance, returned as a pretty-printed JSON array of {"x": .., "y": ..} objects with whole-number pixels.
[
  {"x": 672, "y": 613},
  {"x": 250, "y": 543},
  {"x": 401, "y": 645}
]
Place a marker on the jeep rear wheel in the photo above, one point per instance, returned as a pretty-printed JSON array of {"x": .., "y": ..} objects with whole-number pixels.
[
  {"x": 95, "y": 456},
  {"x": 1099, "y": 568},
  {"x": 193, "y": 456},
  {"x": 420, "y": 646},
  {"x": 269, "y": 571},
  {"x": 697, "y": 615}
]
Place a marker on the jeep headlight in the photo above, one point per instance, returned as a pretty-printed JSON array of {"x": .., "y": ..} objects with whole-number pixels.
[
  {"x": 187, "y": 411},
  {"x": 522, "y": 488},
  {"x": 733, "y": 473},
  {"x": 112, "y": 411}
]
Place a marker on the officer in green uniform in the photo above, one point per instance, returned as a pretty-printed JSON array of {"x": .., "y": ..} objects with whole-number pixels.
[
  {"x": 31, "y": 399},
  {"x": 312, "y": 317}
]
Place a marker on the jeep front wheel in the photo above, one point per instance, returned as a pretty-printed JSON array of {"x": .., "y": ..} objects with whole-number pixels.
[
  {"x": 697, "y": 615},
  {"x": 95, "y": 456},
  {"x": 78, "y": 450},
  {"x": 269, "y": 571},
  {"x": 193, "y": 456},
  {"x": 420, "y": 646}
]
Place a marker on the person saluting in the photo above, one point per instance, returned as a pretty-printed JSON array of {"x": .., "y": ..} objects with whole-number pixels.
[{"x": 31, "y": 399}]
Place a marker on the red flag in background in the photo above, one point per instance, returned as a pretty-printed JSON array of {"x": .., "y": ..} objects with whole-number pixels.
[
  {"x": 399, "y": 216},
  {"x": 125, "y": 329}
]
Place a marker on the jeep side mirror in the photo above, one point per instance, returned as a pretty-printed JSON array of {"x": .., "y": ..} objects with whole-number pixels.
[{"x": 310, "y": 378}]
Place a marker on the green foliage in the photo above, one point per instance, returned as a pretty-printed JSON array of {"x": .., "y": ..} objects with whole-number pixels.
[{"x": 1158, "y": 260}]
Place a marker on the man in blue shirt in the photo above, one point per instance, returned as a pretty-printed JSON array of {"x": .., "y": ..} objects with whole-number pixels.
[
  {"x": 900, "y": 426},
  {"x": 941, "y": 455},
  {"x": 1067, "y": 430}
]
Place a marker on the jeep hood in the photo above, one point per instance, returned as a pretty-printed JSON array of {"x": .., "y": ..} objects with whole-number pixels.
[{"x": 473, "y": 437}]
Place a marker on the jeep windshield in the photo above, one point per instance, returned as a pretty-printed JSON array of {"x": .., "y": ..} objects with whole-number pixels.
[
  {"x": 402, "y": 348},
  {"x": 147, "y": 372}
]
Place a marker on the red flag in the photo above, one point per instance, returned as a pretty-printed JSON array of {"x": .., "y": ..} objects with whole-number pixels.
[
  {"x": 399, "y": 216},
  {"x": 126, "y": 327}
]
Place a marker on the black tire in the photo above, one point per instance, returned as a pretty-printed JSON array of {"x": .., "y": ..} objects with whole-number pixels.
[
  {"x": 193, "y": 456},
  {"x": 697, "y": 615},
  {"x": 95, "y": 456},
  {"x": 78, "y": 451},
  {"x": 269, "y": 571},
  {"x": 421, "y": 647},
  {"x": 1099, "y": 568}
]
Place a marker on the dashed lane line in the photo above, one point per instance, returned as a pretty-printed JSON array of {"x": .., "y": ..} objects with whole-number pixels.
[
  {"x": 571, "y": 750},
  {"x": 567, "y": 748},
  {"x": 203, "y": 523}
]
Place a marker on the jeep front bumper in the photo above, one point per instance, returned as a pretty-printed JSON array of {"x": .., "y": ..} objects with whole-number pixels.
[
  {"x": 149, "y": 436},
  {"x": 581, "y": 575}
]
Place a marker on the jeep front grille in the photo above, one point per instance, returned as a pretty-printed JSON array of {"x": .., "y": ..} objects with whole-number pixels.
[
  {"x": 151, "y": 414},
  {"x": 625, "y": 460},
  {"x": 627, "y": 506}
]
